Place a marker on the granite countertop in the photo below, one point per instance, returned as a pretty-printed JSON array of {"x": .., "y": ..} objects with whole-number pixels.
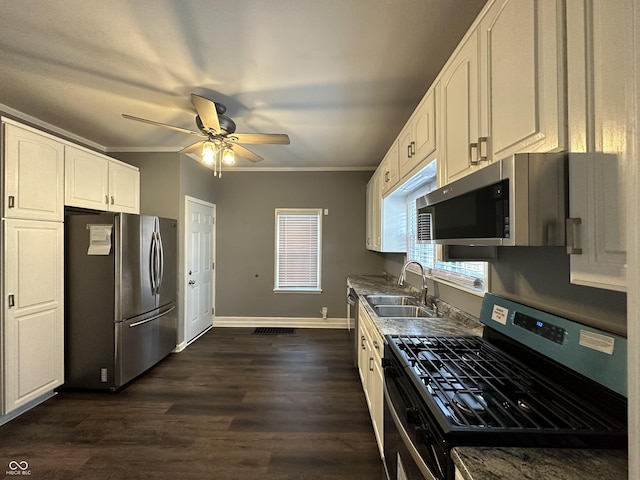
[
  {"x": 492, "y": 463},
  {"x": 451, "y": 321},
  {"x": 497, "y": 463}
]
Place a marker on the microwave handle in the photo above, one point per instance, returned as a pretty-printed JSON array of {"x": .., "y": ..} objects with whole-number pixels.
[{"x": 571, "y": 224}]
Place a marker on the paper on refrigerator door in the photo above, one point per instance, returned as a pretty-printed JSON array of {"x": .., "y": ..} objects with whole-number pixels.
[{"x": 99, "y": 239}]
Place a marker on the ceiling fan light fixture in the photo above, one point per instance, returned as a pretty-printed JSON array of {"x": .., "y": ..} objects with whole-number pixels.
[
  {"x": 208, "y": 153},
  {"x": 228, "y": 157}
]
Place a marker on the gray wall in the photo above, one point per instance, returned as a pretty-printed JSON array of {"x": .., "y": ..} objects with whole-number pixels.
[
  {"x": 536, "y": 276},
  {"x": 159, "y": 188},
  {"x": 246, "y": 203}
]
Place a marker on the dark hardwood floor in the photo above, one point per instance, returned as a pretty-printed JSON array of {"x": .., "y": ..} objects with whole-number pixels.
[{"x": 233, "y": 405}]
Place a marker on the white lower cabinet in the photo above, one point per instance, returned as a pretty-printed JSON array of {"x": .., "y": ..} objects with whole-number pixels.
[
  {"x": 370, "y": 355},
  {"x": 33, "y": 310}
]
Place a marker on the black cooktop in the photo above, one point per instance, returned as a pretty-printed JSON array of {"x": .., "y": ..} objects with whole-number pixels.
[{"x": 472, "y": 388}]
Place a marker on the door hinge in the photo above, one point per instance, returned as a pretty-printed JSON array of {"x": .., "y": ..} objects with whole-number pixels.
[{"x": 213, "y": 265}]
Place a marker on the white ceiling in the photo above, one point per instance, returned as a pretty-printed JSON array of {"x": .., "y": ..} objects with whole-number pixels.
[{"x": 341, "y": 77}]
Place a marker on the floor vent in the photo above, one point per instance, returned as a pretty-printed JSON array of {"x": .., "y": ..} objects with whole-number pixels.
[{"x": 273, "y": 331}]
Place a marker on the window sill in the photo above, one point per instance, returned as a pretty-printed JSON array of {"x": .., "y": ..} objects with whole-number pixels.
[
  {"x": 297, "y": 290},
  {"x": 465, "y": 288}
]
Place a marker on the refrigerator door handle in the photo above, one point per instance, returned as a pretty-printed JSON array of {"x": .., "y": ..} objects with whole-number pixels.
[
  {"x": 155, "y": 317},
  {"x": 152, "y": 261},
  {"x": 160, "y": 261}
]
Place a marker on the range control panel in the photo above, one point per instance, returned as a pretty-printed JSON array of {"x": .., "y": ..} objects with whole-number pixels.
[{"x": 544, "y": 329}]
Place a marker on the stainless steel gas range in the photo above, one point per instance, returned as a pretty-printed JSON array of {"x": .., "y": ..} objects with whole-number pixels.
[{"x": 533, "y": 380}]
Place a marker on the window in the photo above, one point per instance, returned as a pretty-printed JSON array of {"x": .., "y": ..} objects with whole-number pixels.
[
  {"x": 468, "y": 275},
  {"x": 298, "y": 248}
]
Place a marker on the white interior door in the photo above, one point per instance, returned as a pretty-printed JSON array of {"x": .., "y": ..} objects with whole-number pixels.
[{"x": 199, "y": 278}]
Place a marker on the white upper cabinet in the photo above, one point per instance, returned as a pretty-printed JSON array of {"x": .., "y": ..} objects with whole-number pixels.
[
  {"x": 459, "y": 117},
  {"x": 602, "y": 132},
  {"x": 124, "y": 188},
  {"x": 99, "y": 182},
  {"x": 502, "y": 91},
  {"x": 385, "y": 217},
  {"x": 389, "y": 169},
  {"x": 34, "y": 174},
  {"x": 86, "y": 178},
  {"x": 418, "y": 138},
  {"x": 522, "y": 101}
]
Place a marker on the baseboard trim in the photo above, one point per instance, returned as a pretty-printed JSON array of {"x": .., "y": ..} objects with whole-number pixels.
[
  {"x": 182, "y": 345},
  {"x": 294, "y": 322}
]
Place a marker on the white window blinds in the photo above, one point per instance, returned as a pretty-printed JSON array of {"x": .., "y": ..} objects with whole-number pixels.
[{"x": 298, "y": 249}]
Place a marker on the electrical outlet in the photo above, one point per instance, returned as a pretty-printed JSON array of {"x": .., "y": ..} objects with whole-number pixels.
[
  {"x": 103, "y": 375},
  {"x": 324, "y": 312}
]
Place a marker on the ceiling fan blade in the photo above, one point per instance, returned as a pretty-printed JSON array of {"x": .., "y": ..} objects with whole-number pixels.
[
  {"x": 165, "y": 125},
  {"x": 261, "y": 138},
  {"x": 193, "y": 148},
  {"x": 207, "y": 112},
  {"x": 245, "y": 153}
]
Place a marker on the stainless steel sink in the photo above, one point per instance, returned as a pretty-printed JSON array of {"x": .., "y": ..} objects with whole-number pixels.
[
  {"x": 411, "y": 311},
  {"x": 375, "y": 300}
]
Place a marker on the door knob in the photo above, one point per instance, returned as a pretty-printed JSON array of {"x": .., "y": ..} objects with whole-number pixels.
[{"x": 192, "y": 282}]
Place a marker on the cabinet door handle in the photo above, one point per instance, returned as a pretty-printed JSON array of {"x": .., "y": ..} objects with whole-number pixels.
[
  {"x": 106, "y": 199},
  {"x": 113, "y": 200},
  {"x": 409, "y": 155},
  {"x": 371, "y": 364},
  {"x": 413, "y": 148},
  {"x": 386, "y": 177},
  {"x": 362, "y": 342},
  {"x": 483, "y": 141},
  {"x": 12, "y": 301},
  {"x": 11, "y": 201},
  {"x": 472, "y": 160},
  {"x": 571, "y": 224}
]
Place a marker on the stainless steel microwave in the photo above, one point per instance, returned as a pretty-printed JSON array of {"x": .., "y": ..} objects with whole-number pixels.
[{"x": 518, "y": 201}]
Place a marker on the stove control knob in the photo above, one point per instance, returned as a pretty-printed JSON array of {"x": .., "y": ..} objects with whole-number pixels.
[{"x": 412, "y": 415}]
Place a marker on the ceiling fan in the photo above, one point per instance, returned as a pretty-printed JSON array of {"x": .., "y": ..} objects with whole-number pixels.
[{"x": 221, "y": 143}]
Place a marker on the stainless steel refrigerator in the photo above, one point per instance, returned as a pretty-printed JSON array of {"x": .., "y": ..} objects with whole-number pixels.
[{"x": 120, "y": 297}]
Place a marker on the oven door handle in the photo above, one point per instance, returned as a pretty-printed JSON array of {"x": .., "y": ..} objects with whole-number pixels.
[{"x": 405, "y": 438}]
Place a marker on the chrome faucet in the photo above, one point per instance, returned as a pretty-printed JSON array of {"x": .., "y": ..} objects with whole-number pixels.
[{"x": 425, "y": 287}]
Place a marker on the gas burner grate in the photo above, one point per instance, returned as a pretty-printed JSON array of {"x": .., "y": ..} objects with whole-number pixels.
[
  {"x": 475, "y": 385},
  {"x": 274, "y": 331}
]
